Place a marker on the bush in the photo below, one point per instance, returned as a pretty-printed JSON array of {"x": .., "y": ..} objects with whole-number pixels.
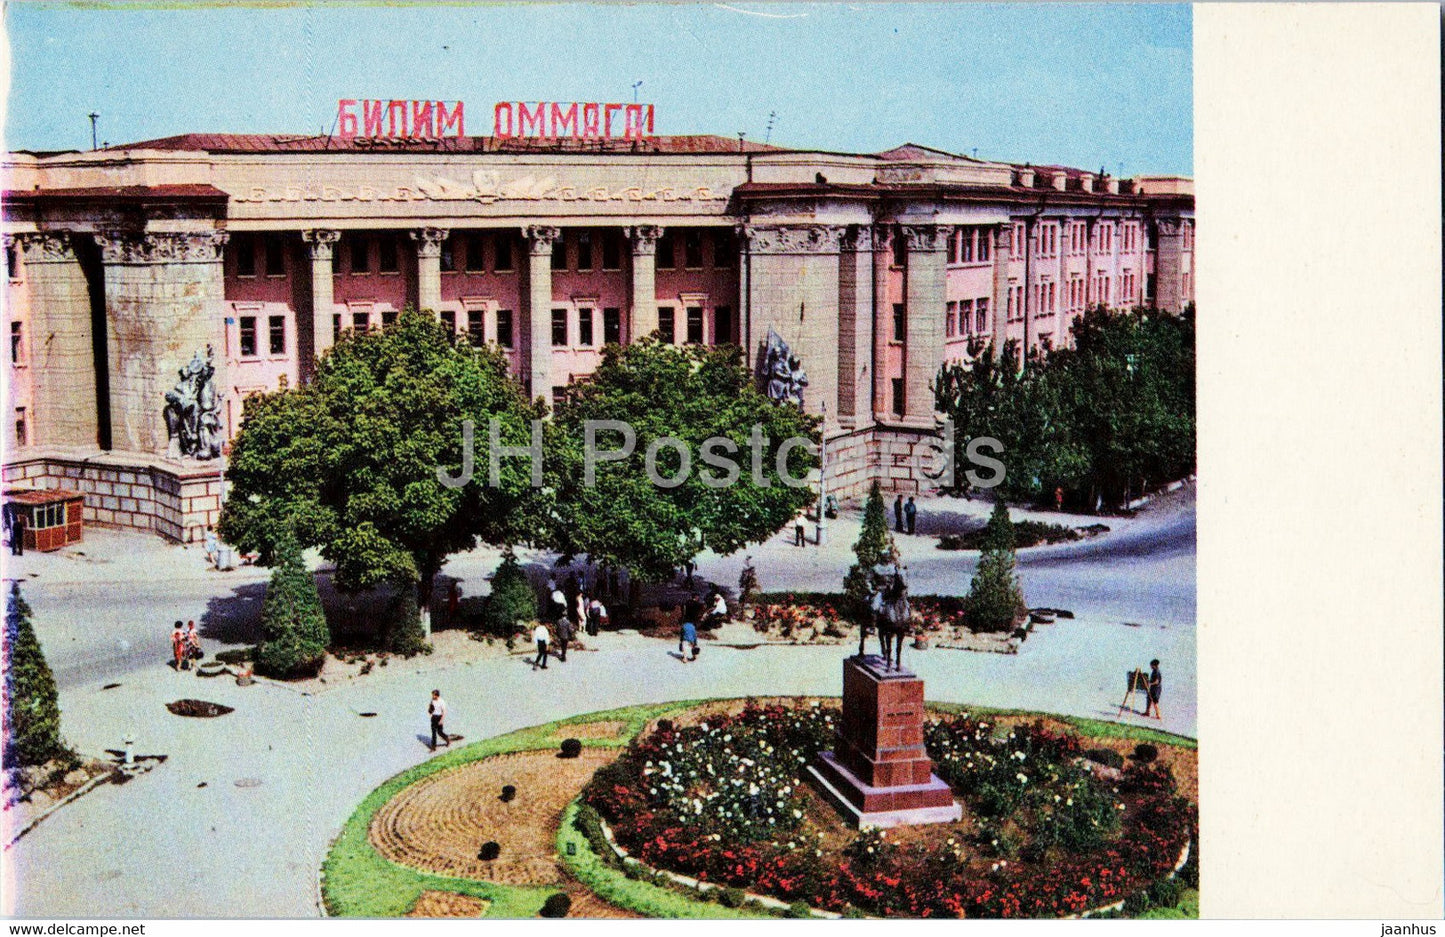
[
  {"x": 1144, "y": 753},
  {"x": 798, "y": 909},
  {"x": 731, "y": 897},
  {"x": 571, "y": 748},
  {"x": 1166, "y": 893},
  {"x": 489, "y": 851},
  {"x": 403, "y": 634},
  {"x": 509, "y": 793},
  {"x": 294, "y": 635},
  {"x": 32, "y": 705},
  {"x": 238, "y": 655},
  {"x": 512, "y": 599},
  {"x": 557, "y": 905},
  {"x": 1106, "y": 757}
]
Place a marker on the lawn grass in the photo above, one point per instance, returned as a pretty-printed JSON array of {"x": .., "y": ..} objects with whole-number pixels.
[
  {"x": 1187, "y": 909},
  {"x": 1089, "y": 728}
]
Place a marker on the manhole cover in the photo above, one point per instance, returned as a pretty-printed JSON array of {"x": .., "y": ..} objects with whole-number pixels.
[
  {"x": 248, "y": 782},
  {"x": 198, "y": 708}
]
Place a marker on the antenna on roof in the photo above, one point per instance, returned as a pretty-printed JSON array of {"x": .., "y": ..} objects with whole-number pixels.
[
  {"x": 741, "y": 135},
  {"x": 975, "y": 152},
  {"x": 635, "y": 85},
  {"x": 772, "y": 116},
  {"x": 93, "y": 118}
]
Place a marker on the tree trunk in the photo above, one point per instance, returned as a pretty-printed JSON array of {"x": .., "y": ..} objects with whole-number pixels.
[{"x": 429, "y": 567}]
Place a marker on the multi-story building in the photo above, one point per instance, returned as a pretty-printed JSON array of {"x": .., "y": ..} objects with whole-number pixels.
[{"x": 125, "y": 264}]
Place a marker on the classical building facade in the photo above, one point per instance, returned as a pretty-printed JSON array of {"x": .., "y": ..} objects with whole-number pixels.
[{"x": 153, "y": 286}]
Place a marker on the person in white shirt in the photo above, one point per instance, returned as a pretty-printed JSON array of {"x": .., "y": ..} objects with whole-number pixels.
[
  {"x": 437, "y": 710},
  {"x": 541, "y": 636}
]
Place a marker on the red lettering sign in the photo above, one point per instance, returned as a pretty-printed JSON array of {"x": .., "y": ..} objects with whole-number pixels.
[
  {"x": 557, "y": 121},
  {"x": 400, "y": 120}
]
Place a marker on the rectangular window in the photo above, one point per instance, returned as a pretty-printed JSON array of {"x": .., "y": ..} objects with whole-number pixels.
[
  {"x": 361, "y": 321},
  {"x": 965, "y": 317},
  {"x": 559, "y": 327},
  {"x": 245, "y": 248},
  {"x": 475, "y": 258},
  {"x": 449, "y": 321},
  {"x": 612, "y": 326},
  {"x": 722, "y": 325},
  {"x": 476, "y": 327},
  {"x": 336, "y": 326},
  {"x": 665, "y": 252},
  {"x": 502, "y": 249},
  {"x": 667, "y": 324},
  {"x": 248, "y": 336},
  {"x": 985, "y": 244},
  {"x": 898, "y": 396},
  {"x": 953, "y": 246},
  {"x": 584, "y": 252},
  {"x": 20, "y": 426},
  {"x": 388, "y": 318},
  {"x": 559, "y": 253},
  {"x": 360, "y": 255},
  {"x": 980, "y": 315},
  {"x": 965, "y": 246},
  {"x": 388, "y": 260},
  {"x": 15, "y": 341},
  {"x": 724, "y": 248},
  {"x": 448, "y": 258},
  {"x": 504, "y": 328},
  {"x": 694, "y": 325},
  {"x": 611, "y": 251},
  {"x": 275, "y": 257},
  {"x": 692, "y": 249},
  {"x": 12, "y": 262},
  {"x": 900, "y": 322},
  {"x": 900, "y": 249},
  {"x": 584, "y": 327},
  {"x": 949, "y": 317},
  {"x": 278, "y": 335}
]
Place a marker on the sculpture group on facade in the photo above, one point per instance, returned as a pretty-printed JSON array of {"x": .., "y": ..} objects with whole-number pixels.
[
  {"x": 192, "y": 411},
  {"x": 783, "y": 374}
]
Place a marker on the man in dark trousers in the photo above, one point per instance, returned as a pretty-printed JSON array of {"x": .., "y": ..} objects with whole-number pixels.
[
  {"x": 437, "y": 710},
  {"x": 910, "y": 513},
  {"x": 1156, "y": 687},
  {"x": 898, "y": 514},
  {"x": 17, "y": 533},
  {"x": 564, "y": 635}
]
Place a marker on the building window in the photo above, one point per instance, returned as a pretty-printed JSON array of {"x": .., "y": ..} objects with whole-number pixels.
[
  {"x": 898, "y": 396},
  {"x": 277, "y": 334},
  {"x": 1016, "y": 248},
  {"x": 336, "y": 326},
  {"x": 611, "y": 251},
  {"x": 1106, "y": 239},
  {"x": 475, "y": 259},
  {"x": 20, "y": 427},
  {"x": 965, "y": 316},
  {"x": 666, "y": 324},
  {"x": 1188, "y": 235},
  {"x": 724, "y": 248},
  {"x": 584, "y": 327},
  {"x": 12, "y": 263},
  {"x": 985, "y": 244},
  {"x": 448, "y": 259},
  {"x": 1150, "y": 288},
  {"x": 612, "y": 326},
  {"x": 951, "y": 311},
  {"x": 692, "y": 249},
  {"x": 1046, "y": 340},
  {"x": 559, "y": 327},
  {"x": 965, "y": 245},
  {"x": 504, "y": 328},
  {"x": 694, "y": 324},
  {"x": 361, "y": 321},
  {"x": 16, "y": 339},
  {"x": 980, "y": 316},
  {"x": 900, "y": 249},
  {"x": 559, "y": 254},
  {"x": 248, "y": 336},
  {"x": 449, "y": 321},
  {"x": 665, "y": 252},
  {"x": 722, "y": 325},
  {"x": 584, "y": 251},
  {"x": 360, "y": 255},
  {"x": 388, "y": 260},
  {"x": 476, "y": 327},
  {"x": 275, "y": 257},
  {"x": 245, "y": 248},
  {"x": 502, "y": 248},
  {"x": 953, "y": 246},
  {"x": 388, "y": 318},
  {"x": 900, "y": 322}
]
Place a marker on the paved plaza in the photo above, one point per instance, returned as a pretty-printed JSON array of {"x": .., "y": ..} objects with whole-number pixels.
[{"x": 185, "y": 840}]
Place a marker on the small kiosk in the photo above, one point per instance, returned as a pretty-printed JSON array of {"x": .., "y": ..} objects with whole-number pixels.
[{"x": 54, "y": 517}]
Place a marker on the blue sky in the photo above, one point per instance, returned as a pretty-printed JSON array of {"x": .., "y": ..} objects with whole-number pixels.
[{"x": 1084, "y": 85}]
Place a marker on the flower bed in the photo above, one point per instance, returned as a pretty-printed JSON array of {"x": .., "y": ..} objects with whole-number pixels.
[
  {"x": 792, "y": 612},
  {"x": 1044, "y": 834}
]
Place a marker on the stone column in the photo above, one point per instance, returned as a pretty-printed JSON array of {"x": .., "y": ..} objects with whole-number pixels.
[
  {"x": 1168, "y": 264},
  {"x": 321, "y": 244},
  {"x": 882, "y": 321},
  {"x": 855, "y": 327},
  {"x": 1090, "y": 227},
  {"x": 1002, "y": 249},
  {"x": 537, "y": 334},
  {"x": 923, "y": 341},
  {"x": 429, "y": 268},
  {"x": 62, "y": 361},
  {"x": 642, "y": 316},
  {"x": 163, "y": 301},
  {"x": 794, "y": 291}
]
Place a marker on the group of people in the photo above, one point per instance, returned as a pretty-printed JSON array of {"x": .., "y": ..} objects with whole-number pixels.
[
  {"x": 905, "y": 515},
  {"x": 695, "y": 612},
  {"x": 582, "y": 613},
  {"x": 186, "y": 645}
]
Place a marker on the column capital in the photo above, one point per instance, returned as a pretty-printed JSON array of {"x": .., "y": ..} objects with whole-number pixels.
[
  {"x": 857, "y": 238},
  {"x": 44, "y": 246},
  {"x": 321, "y": 242},
  {"x": 160, "y": 247},
  {"x": 540, "y": 238},
  {"x": 429, "y": 241},
  {"x": 644, "y": 237},
  {"x": 793, "y": 239},
  {"x": 1169, "y": 227},
  {"x": 926, "y": 238}
]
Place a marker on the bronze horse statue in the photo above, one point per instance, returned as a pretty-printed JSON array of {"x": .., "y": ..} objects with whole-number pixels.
[{"x": 891, "y": 618}]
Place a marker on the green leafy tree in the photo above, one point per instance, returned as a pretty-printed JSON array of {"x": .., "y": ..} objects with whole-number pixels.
[
  {"x": 995, "y": 600},
  {"x": 32, "y": 703},
  {"x": 294, "y": 635},
  {"x": 350, "y": 460},
  {"x": 512, "y": 600},
  {"x": 691, "y": 394},
  {"x": 873, "y": 548}
]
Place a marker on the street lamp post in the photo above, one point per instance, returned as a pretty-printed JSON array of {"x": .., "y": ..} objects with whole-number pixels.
[{"x": 821, "y": 532}]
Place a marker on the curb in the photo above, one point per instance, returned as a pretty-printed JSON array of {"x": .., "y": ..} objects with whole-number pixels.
[{"x": 74, "y": 795}]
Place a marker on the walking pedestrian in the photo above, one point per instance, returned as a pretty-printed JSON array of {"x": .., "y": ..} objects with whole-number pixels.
[
  {"x": 910, "y": 514},
  {"x": 541, "y": 636},
  {"x": 437, "y": 710},
  {"x": 193, "y": 642},
  {"x": 558, "y": 606},
  {"x": 799, "y": 536},
  {"x": 213, "y": 548},
  {"x": 178, "y": 646},
  {"x": 898, "y": 514},
  {"x": 1156, "y": 687},
  {"x": 689, "y": 637},
  {"x": 17, "y": 534},
  {"x": 564, "y": 635},
  {"x": 596, "y": 616}
]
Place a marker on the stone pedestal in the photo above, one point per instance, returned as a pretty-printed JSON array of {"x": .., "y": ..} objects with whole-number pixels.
[{"x": 879, "y": 773}]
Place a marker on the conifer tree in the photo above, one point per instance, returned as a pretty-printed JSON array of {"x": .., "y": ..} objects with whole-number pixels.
[
  {"x": 873, "y": 548},
  {"x": 294, "y": 634},
  {"x": 995, "y": 599},
  {"x": 32, "y": 704}
]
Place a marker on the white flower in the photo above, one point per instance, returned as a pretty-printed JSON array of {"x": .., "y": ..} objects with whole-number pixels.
[
  {"x": 1023, "y": 778},
  {"x": 995, "y": 867},
  {"x": 797, "y": 814},
  {"x": 1069, "y": 802}
]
